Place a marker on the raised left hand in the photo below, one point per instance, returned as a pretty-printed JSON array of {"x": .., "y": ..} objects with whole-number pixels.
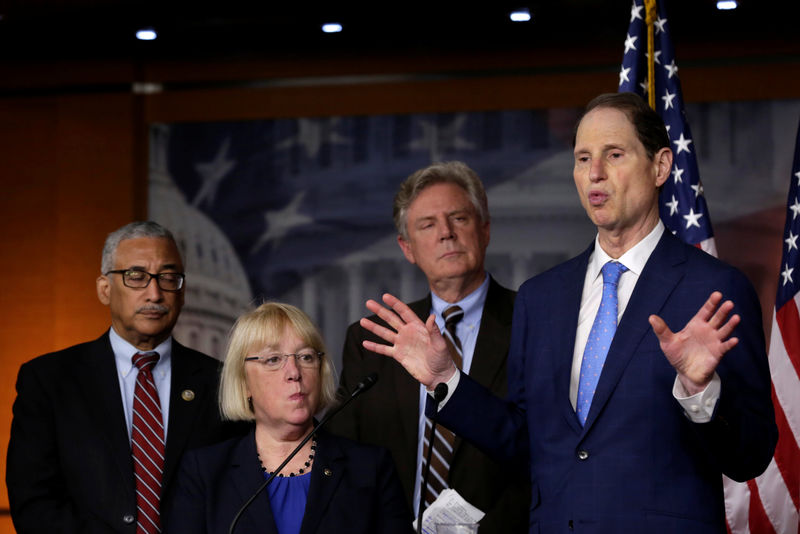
[{"x": 696, "y": 350}]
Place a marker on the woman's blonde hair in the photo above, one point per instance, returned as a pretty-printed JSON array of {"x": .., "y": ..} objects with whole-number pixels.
[{"x": 256, "y": 329}]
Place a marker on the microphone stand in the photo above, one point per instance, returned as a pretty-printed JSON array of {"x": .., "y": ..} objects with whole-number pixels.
[
  {"x": 362, "y": 386},
  {"x": 439, "y": 393}
]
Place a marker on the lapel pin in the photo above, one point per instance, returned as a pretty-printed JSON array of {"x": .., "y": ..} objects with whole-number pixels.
[
  {"x": 187, "y": 395},
  {"x": 327, "y": 472}
]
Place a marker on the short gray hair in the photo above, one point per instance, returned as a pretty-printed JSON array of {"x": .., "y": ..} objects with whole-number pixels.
[
  {"x": 132, "y": 230},
  {"x": 453, "y": 172}
]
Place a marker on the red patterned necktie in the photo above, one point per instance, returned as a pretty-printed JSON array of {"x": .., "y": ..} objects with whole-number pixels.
[
  {"x": 443, "y": 444},
  {"x": 147, "y": 444}
]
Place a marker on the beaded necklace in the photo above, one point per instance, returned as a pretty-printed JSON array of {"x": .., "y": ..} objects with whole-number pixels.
[{"x": 299, "y": 471}]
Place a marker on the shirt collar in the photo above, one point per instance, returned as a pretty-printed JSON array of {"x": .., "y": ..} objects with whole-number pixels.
[
  {"x": 472, "y": 304},
  {"x": 634, "y": 259},
  {"x": 124, "y": 351}
]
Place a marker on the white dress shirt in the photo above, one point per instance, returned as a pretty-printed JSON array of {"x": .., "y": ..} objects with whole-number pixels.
[
  {"x": 699, "y": 407},
  {"x": 467, "y": 331},
  {"x": 127, "y": 372}
]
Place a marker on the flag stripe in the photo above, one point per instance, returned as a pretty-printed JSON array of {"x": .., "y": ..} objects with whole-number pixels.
[
  {"x": 787, "y": 454},
  {"x": 788, "y": 319},
  {"x": 785, "y": 380},
  {"x": 758, "y": 522}
]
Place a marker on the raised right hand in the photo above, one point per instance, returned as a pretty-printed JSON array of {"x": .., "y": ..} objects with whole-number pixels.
[{"x": 419, "y": 347}]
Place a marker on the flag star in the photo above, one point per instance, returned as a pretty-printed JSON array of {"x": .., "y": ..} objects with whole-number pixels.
[
  {"x": 212, "y": 173},
  {"x": 668, "y": 127},
  {"x": 636, "y": 12},
  {"x": 623, "y": 75},
  {"x": 791, "y": 241},
  {"x": 692, "y": 218},
  {"x": 795, "y": 209},
  {"x": 672, "y": 69},
  {"x": 312, "y": 134},
  {"x": 643, "y": 85},
  {"x": 673, "y": 206},
  {"x": 698, "y": 189},
  {"x": 683, "y": 144},
  {"x": 438, "y": 139},
  {"x": 787, "y": 274},
  {"x": 798, "y": 177},
  {"x": 630, "y": 43},
  {"x": 668, "y": 98},
  {"x": 657, "y": 55},
  {"x": 659, "y": 24},
  {"x": 280, "y": 223},
  {"x": 677, "y": 172}
]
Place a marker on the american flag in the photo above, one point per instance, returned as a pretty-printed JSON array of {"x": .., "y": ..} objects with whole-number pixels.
[
  {"x": 682, "y": 204},
  {"x": 770, "y": 503}
]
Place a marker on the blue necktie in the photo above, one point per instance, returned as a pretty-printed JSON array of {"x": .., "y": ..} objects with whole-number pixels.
[{"x": 603, "y": 328}]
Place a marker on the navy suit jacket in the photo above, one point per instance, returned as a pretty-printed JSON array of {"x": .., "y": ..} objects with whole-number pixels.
[
  {"x": 639, "y": 464},
  {"x": 354, "y": 490},
  {"x": 69, "y": 466}
]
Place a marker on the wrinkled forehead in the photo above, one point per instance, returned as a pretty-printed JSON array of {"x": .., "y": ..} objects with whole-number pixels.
[
  {"x": 607, "y": 126},
  {"x": 156, "y": 253}
]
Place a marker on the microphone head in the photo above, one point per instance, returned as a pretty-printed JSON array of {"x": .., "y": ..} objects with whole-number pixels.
[
  {"x": 440, "y": 392},
  {"x": 369, "y": 381},
  {"x": 366, "y": 383}
]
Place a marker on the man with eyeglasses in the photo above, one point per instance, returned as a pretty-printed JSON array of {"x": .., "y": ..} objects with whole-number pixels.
[{"x": 99, "y": 428}]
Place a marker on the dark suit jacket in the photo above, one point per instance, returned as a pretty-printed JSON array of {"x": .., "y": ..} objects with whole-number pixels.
[
  {"x": 388, "y": 415},
  {"x": 639, "y": 464},
  {"x": 354, "y": 490},
  {"x": 69, "y": 464}
]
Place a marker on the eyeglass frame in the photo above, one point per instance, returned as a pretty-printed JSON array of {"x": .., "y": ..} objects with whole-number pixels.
[
  {"x": 285, "y": 358},
  {"x": 157, "y": 276}
]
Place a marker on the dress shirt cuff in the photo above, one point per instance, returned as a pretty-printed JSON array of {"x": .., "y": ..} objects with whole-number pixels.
[
  {"x": 451, "y": 387},
  {"x": 698, "y": 407}
]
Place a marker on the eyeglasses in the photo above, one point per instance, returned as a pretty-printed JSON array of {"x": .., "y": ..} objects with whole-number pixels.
[
  {"x": 137, "y": 279},
  {"x": 307, "y": 359}
]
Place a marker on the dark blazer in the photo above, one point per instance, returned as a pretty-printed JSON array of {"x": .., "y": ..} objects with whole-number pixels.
[
  {"x": 69, "y": 464},
  {"x": 354, "y": 490},
  {"x": 388, "y": 415},
  {"x": 639, "y": 464}
]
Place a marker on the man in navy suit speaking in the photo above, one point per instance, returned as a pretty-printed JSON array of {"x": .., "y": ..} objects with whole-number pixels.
[{"x": 632, "y": 386}]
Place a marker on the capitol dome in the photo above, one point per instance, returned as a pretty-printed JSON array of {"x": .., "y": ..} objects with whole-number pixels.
[{"x": 217, "y": 290}]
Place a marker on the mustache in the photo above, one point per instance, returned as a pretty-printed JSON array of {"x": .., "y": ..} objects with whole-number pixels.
[{"x": 153, "y": 307}]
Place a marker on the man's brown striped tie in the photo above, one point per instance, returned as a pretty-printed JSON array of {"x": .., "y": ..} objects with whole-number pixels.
[
  {"x": 443, "y": 444},
  {"x": 147, "y": 445}
]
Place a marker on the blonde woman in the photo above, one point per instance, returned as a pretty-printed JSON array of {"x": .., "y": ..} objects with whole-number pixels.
[{"x": 277, "y": 375}]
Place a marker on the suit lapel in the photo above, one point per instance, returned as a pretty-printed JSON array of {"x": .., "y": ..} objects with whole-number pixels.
[
  {"x": 326, "y": 475},
  {"x": 246, "y": 479},
  {"x": 662, "y": 272},
  {"x": 566, "y": 310},
  {"x": 494, "y": 337},
  {"x": 99, "y": 384},
  {"x": 186, "y": 377}
]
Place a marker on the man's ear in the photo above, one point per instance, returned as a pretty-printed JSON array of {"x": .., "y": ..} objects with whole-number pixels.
[
  {"x": 406, "y": 248},
  {"x": 663, "y": 164},
  {"x": 104, "y": 290}
]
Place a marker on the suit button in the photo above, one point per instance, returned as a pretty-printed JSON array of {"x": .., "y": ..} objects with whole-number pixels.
[
  {"x": 582, "y": 455},
  {"x": 128, "y": 519}
]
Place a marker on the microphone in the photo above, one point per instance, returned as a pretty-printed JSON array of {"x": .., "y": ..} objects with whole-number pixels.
[
  {"x": 439, "y": 393},
  {"x": 366, "y": 383}
]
